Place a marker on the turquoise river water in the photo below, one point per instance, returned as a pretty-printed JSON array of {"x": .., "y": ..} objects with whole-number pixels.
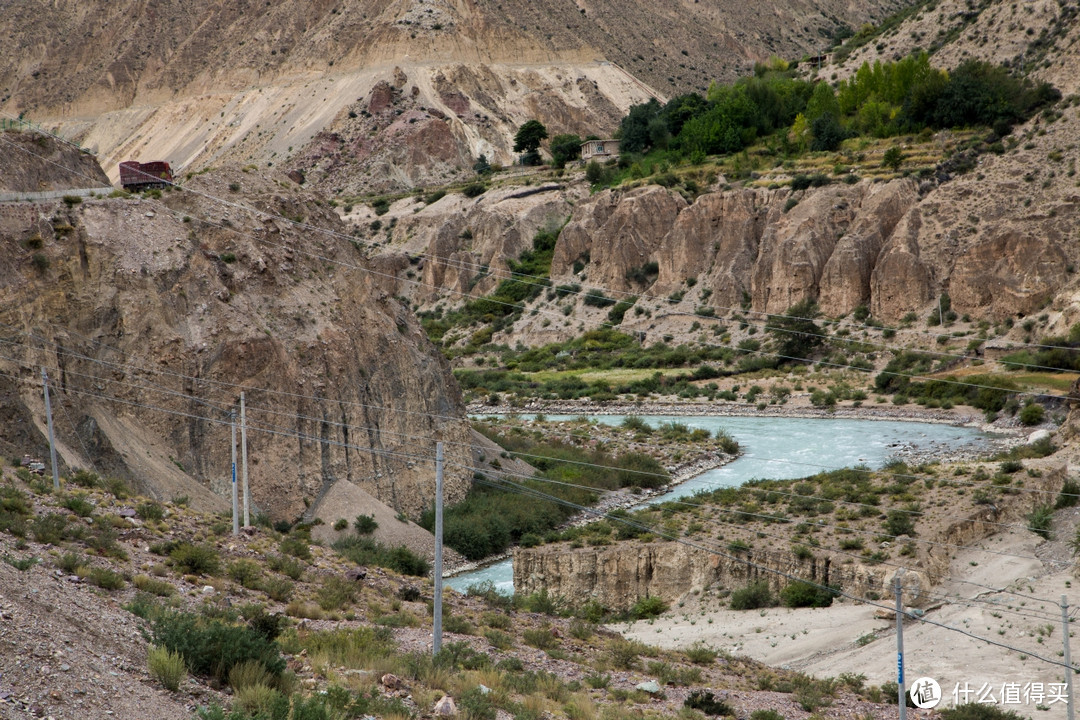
[{"x": 777, "y": 448}]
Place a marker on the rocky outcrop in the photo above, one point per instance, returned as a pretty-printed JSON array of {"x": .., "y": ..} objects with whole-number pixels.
[
  {"x": 460, "y": 247},
  {"x": 743, "y": 246},
  {"x": 626, "y": 231},
  {"x": 35, "y": 163},
  {"x": 152, "y": 316},
  {"x": 885, "y": 245},
  {"x": 618, "y": 575}
]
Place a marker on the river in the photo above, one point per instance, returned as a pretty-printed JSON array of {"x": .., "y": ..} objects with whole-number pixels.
[{"x": 777, "y": 448}]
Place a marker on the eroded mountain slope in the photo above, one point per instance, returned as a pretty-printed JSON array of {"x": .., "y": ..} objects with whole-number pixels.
[{"x": 151, "y": 316}]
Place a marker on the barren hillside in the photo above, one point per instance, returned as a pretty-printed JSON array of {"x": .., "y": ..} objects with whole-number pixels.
[
  {"x": 152, "y": 315},
  {"x": 205, "y": 83}
]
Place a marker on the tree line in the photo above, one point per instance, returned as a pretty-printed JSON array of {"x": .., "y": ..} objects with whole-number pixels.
[{"x": 880, "y": 100}]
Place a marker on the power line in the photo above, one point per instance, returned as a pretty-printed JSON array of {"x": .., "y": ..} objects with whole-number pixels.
[
  {"x": 242, "y": 387},
  {"x": 522, "y": 306},
  {"x": 413, "y": 457},
  {"x": 793, "y": 578},
  {"x": 545, "y": 282},
  {"x": 277, "y": 430},
  {"x": 347, "y": 426},
  {"x": 839, "y": 552}
]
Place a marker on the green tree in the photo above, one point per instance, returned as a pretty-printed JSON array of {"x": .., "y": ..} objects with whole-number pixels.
[
  {"x": 796, "y": 333},
  {"x": 482, "y": 166},
  {"x": 527, "y": 141},
  {"x": 893, "y": 158},
  {"x": 634, "y": 129},
  {"x": 827, "y": 133},
  {"x": 565, "y": 148}
]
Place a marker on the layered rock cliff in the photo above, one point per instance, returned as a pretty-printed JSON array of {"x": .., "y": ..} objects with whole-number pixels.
[
  {"x": 152, "y": 316},
  {"x": 999, "y": 246},
  {"x": 618, "y": 575}
]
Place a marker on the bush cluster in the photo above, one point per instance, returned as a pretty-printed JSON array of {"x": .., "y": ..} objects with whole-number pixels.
[{"x": 212, "y": 647}]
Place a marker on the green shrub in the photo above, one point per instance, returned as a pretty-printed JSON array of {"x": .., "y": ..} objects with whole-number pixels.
[
  {"x": 473, "y": 190},
  {"x": 474, "y": 704},
  {"x": 1040, "y": 520},
  {"x": 899, "y": 522},
  {"x": 153, "y": 585},
  {"x": 499, "y": 640},
  {"x": 1032, "y": 414},
  {"x": 541, "y": 602},
  {"x": 261, "y": 701},
  {"x": 104, "y": 578},
  {"x": 70, "y": 562},
  {"x": 49, "y": 529},
  {"x": 804, "y": 594},
  {"x": 246, "y": 572},
  {"x": 766, "y": 715},
  {"x": 335, "y": 593},
  {"x": 978, "y": 711},
  {"x": 755, "y": 595},
  {"x": 102, "y": 538},
  {"x": 278, "y": 588},
  {"x": 624, "y": 654},
  {"x": 648, "y": 607},
  {"x": 1069, "y": 495},
  {"x": 285, "y": 565},
  {"x": 15, "y": 501},
  {"x": 150, "y": 510},
  {"x": 700, "y": 654},
  {"x": 78, "y": 504},
  {"x": 492, "y": 597},
  {"x": 196, "y": 559},
  {"x": 117, "y": 487},
  {"x": 296, "y": 546},
  {"x": 458, "y": 624},
  {"x": 540, "y": 638},
  {"x": 247, "y": 673},
  {"x": 21, "y": 564},
  {"x": 167, "y": 667},
  {"x": 596, "y": 298},
  {"x": 707, "y": 703},
  {"x": 365, "y": 551},
  {"x": 85, "y": 478},
  {"x": 212, "y": 647},
  {"x": 365, "y": 524}
]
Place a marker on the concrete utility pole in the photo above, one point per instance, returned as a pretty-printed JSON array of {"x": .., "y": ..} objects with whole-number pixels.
[
  {"x": 899, "y": 589},
  {"x": 243, "y": 462},
  {"x": 1070, "y": 713},
  {"x": 52, "y": 438},
  {"x": 232, "y": 448},
  {"x": 436, "y": 643}
]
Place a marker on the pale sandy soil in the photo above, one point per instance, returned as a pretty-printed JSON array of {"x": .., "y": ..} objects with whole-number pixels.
[{"x": 823, "y": 642}]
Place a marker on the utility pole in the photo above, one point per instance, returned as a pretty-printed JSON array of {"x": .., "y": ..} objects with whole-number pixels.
[
  {"x": 232, "y": 448},
  {"x": 52, "y": 438},
  {"x": 899, "y": 589},
  {"x": 436, "y": 643},
  {"x": 1070, "y": 713},
  {"x": 243, "y": 462}
]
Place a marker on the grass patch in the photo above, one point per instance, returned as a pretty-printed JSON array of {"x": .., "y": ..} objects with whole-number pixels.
[{"x": 167, "y": 667}]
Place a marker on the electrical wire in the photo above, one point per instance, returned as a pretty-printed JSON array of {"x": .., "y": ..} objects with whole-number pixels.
[{"x": 793, "y": 578}]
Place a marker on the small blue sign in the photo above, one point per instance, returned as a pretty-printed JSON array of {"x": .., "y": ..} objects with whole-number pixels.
[{"x": 900, "y": 668}]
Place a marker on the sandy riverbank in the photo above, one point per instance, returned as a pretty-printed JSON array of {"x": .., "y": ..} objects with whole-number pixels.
[
  {"x": 797, "y": 407},
  {"x": 1005, "y": 588},
  {"x": 616, "y": 499}
]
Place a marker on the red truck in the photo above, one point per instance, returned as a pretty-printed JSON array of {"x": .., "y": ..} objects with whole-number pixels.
[{"x": 136, "y": 176}]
